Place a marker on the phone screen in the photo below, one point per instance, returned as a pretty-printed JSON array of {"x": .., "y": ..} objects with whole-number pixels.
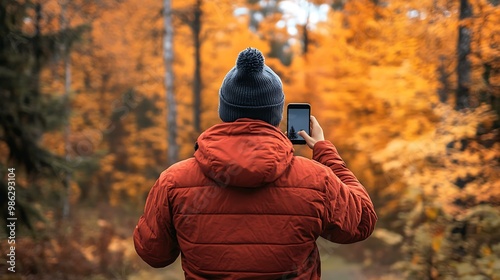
[{"x": 298, "y": 119}]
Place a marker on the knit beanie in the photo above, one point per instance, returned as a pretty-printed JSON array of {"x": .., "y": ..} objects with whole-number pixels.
[{"x": 251, "y": 90}]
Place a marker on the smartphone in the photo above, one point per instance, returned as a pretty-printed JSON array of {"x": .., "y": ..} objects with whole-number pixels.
[{"x": 298, "y": 117}]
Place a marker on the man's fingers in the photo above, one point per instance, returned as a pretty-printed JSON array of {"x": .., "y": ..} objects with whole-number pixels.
[
  {"x": 314, "y": 121},
  {"x": 309, "y": 140},
  {"x": 304, "y": 135}
]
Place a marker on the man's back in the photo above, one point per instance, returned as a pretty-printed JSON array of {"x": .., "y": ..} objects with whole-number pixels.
[{"x": 245, "y": 208}]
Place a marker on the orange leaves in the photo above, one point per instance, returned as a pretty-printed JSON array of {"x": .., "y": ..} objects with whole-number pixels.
[
  {"x": 370, "y": 74},
  {"x": 129, "y": 186},
  {"x": 436, "y": 242},
  {"x": 442, "y": 164}
]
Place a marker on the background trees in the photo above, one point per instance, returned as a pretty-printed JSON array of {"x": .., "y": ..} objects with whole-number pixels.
[{"x": 412, "y": 105}]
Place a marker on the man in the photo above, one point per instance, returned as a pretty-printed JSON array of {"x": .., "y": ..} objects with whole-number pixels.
[{"x": 244, "y": 207}]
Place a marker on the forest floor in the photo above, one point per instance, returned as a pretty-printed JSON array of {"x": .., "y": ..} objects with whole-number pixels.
[{"x": 333, "y": 267}]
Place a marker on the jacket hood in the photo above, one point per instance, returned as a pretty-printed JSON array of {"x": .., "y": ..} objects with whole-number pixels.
[{"x": 243, "y": 153}]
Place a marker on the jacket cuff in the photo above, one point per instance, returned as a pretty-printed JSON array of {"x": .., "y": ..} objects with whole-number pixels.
[{"x": 320, "y": 147}]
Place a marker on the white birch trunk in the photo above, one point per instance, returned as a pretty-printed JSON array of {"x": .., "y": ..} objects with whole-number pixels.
[
  {"x": 168, "y": 59},
  {"x": 64, "y": 25}
]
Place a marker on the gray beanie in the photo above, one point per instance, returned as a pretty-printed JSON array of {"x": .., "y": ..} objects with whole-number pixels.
[{"x": 251, "y": 90}]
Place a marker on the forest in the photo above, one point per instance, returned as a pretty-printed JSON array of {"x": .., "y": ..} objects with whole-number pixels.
[{"x": 98, "y": 97}]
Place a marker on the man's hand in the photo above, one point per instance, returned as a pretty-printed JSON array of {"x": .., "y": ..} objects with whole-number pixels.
[{"x": 316, "y": 133}]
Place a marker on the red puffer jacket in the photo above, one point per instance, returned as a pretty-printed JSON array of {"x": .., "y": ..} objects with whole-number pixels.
[{"x": 246, "y": 208}]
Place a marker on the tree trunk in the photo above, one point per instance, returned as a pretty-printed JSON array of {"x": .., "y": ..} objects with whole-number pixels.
[
  {"x": 64, "y": 25},
  {"x": 197, "y": 83},
  {"x": 168, "y": 59},
  {"x": 305, "y": 33},
  {"x": 443, "y": 78},
  {"x": 464, "y": 65}
]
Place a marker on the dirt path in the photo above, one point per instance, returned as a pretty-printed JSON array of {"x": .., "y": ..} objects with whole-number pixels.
[{"x": 333, "y": 267}]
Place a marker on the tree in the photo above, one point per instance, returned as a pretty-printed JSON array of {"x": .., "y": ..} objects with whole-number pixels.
[
  {"x": 64, "y": 23},
  {"x": 168, "y": 58},
  {"x": 192, "y": 16},
  {"x": 197, "y": 81},
  {"x": 463, "y": 51},
  {"x": 292, "y": 134},
  {"x": 25, "y": 113},
  {"x": 484, "y": 54}
]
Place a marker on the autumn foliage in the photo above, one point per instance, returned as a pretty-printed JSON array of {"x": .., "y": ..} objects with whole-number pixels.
[{"x": 381, "y": 77}]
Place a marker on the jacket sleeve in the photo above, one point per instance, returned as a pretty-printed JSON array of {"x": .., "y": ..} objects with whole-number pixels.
[
  {"x": 350, "y": 216},
  {"x": 154, "y": 236}
]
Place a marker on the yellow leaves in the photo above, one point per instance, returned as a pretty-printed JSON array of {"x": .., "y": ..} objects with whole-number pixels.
[
  {"x": 400, "y": 153},
  {"x": 436, "y": 242},
  {"x": 74, "y": 192},
  {"x": 131, "y": 186},
  {"x": 431, "y": 213},
  {"x": 445, "y": 163},
  {"x": 53, "y": 141},
  {"x": 485, "y": 250},
  {"x": 107, "y": 163},
  {"x": 138, "y": 163},
  {"x": 370, "y": 74},
  {"x": 493, "y": 153}
]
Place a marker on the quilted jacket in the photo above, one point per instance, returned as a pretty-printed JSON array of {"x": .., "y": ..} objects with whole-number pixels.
[{"x": 244, "y": 207}]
